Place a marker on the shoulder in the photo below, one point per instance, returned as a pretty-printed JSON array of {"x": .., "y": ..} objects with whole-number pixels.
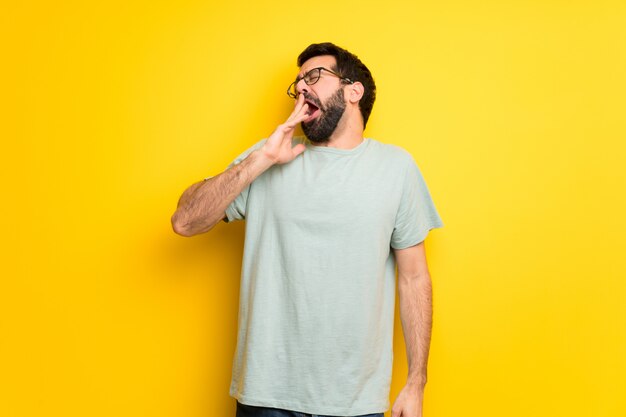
[
  {"x": 391, "y": 153},
  {"x": 247, "y": 152}
]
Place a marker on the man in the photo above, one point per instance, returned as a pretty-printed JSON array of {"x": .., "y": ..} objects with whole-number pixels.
[{"x": 326, "y": 221}]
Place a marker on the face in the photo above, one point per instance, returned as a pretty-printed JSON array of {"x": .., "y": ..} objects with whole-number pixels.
[
  {"x": 320, "y": 128},
  {"x": 325, "y": 99}
]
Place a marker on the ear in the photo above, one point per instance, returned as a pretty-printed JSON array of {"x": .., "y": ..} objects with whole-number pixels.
[{"x": 355, "y": 92}]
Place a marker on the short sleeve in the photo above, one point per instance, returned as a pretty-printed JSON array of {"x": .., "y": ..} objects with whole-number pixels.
[
  {"x": 416, "y": 214},
  {"x": 237, "y": 209}
]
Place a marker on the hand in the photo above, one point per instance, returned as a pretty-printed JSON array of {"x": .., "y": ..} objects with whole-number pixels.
[
  {"x": 278, "y": 147},
  {"x": 408, "y": 403}
]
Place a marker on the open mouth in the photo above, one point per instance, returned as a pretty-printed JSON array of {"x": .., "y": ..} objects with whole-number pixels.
[{"x": 312, "y": 111}]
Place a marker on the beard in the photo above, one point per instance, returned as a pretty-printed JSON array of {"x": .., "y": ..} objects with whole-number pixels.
[{"x": 322, "y": 127}]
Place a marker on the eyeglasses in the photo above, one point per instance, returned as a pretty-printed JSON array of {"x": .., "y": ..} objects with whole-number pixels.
[{"x": 311, "y": 78}]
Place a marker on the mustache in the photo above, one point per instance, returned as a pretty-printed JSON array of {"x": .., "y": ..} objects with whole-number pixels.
[{"x": 315, "y": 101}]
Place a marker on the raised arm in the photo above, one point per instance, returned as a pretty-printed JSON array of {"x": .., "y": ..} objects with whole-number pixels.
[
  {"x": 204, "y": 204},
  {"x": 415, "y": 293}
]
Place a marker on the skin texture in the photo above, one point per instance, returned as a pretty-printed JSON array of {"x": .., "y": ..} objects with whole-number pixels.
[
  {"x": 203, "y": 205},
  {"x": 415, "y": 293}
]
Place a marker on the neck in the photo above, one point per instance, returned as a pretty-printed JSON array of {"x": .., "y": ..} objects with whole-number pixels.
[
  {"x": 348, "y": 134},
  {"x": 344, "y": 142}
]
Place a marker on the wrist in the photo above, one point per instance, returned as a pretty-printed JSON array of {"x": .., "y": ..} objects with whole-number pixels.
[
  {"x": 416, "y": 383},
  {"x": 261, "y": 160}
]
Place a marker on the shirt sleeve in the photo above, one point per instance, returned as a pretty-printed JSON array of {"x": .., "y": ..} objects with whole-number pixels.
[
  {"x": 237, "y": 209},
  {"x": 416, "y": 214}
]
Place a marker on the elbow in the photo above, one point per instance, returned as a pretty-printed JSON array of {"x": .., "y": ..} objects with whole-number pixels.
[
  {"x": 181, "y": 227},
  {"x": 184, "y": 227},
  {"x": 182, "y": 231}
]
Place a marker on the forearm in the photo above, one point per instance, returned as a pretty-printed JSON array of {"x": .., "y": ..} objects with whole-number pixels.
[
  {"x": 415, "y": 293},
  {"x": 204, "y": 204}
]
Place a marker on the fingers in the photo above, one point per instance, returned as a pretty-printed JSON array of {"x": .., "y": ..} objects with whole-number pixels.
[
  {"x": 284, "y": 132},
  {"x": 298, "y": 116},
  {"x": 299, "y": 103},
  {"x": 300, "y": 108}
]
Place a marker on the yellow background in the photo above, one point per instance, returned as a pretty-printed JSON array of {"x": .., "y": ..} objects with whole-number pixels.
[{"x": 514, "y": 112}]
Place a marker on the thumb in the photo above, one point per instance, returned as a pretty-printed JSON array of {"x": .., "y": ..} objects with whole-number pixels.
[{"x": 298, "y": 149}]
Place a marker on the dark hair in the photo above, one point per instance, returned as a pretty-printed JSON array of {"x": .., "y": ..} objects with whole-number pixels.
[{"x": 349, "y": 66}]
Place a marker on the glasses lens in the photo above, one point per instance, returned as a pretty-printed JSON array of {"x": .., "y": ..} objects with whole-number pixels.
[
  {"x": 291, "y": 91},
  {"x": 312, "y": 76}
]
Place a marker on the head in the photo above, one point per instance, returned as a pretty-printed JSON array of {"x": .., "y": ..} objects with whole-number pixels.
[{"x": 343, "y": 81}]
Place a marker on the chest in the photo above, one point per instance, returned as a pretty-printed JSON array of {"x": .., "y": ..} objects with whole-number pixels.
[{"x": 332, "y": 195}]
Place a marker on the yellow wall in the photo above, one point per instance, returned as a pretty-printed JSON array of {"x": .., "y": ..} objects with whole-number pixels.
[{"x": 513, "y": 110}]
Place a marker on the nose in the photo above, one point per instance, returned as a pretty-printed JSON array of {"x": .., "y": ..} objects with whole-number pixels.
[{"x": 302, "y": 87}]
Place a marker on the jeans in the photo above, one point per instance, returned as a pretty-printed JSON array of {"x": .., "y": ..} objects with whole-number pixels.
[{"x": 254, "y": 411}]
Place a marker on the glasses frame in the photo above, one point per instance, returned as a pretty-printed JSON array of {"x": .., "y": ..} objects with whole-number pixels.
[{"x": 305, "y": 76}]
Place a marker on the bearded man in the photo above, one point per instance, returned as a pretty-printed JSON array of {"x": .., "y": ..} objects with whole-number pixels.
[{"x": 328, "y": 218}]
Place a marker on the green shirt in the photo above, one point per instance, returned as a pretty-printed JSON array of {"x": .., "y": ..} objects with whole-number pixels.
[{"x": 317, "y": 294}]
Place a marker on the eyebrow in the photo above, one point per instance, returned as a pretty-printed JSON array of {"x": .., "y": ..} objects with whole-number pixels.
[{"x": 299, "y": 77}]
